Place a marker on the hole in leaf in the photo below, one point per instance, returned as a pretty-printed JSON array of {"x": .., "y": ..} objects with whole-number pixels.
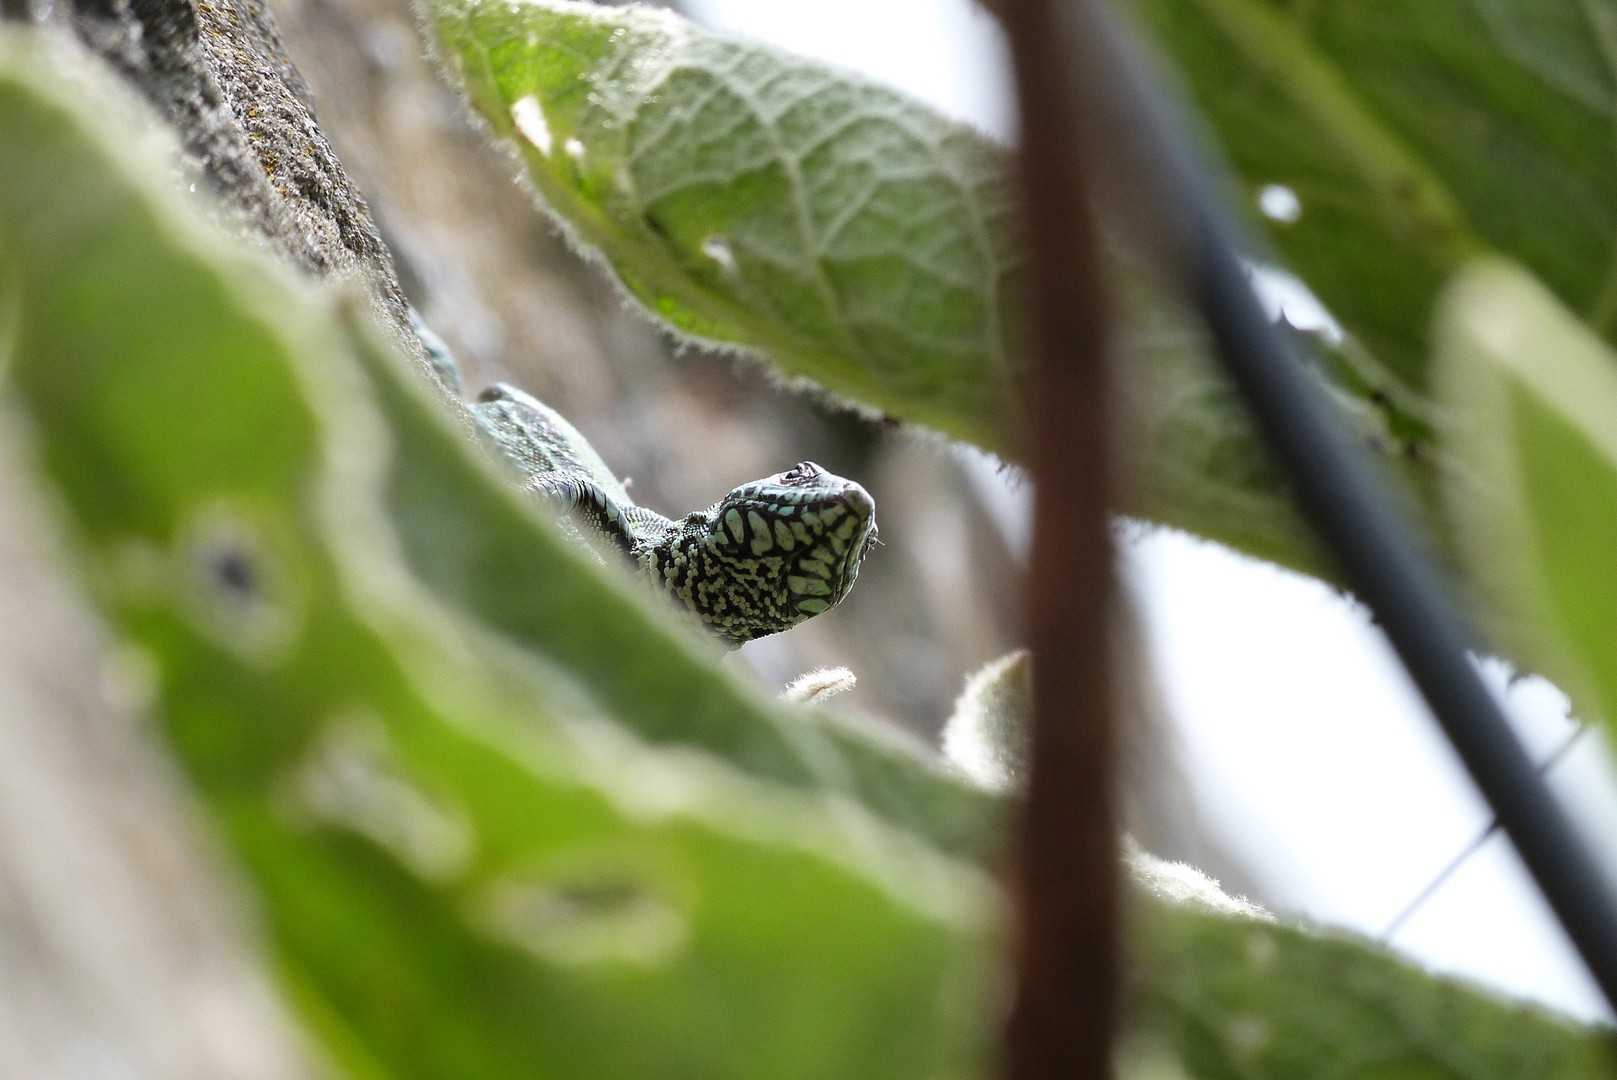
[
  {"x": 597, "y": 905},
  {"x": 238, "y": 585},
  {"x": 354, "y": 779},
  {"x": 1279, "y": 203},
  {"x": 717, "y": 248},
  {"x": 530, "y": 121}
]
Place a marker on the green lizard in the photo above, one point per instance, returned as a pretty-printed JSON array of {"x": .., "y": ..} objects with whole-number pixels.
[{"x": 767, "y": 556}]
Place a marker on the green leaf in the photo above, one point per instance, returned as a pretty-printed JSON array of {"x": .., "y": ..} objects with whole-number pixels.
[
  {"x": 1415, "y": 135},
  {"x": 1224, "y": 994},
  {"x": 574, "y": 849},
  {"x": 1194, "y": 460},
  {"x": 849, "y": 234},
  {"x": 751, "y": 198},
  {"x": 1531, "y": 400}
]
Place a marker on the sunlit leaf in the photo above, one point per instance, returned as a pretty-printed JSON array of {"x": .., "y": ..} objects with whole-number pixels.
[
  {"x": 845, "y": 233},
  {"x": 753, "y": 198}
]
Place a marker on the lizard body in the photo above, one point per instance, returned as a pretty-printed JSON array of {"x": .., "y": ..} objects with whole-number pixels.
[{"x": 767, "y": 556}]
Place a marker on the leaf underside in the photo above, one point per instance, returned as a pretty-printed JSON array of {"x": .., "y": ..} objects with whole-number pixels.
[
  {"x": 844, "y": 233},
  {"x": 750, "y": 198}
]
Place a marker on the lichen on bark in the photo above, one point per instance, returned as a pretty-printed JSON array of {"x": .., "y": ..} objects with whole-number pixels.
[{"x": 217, "y": 72}]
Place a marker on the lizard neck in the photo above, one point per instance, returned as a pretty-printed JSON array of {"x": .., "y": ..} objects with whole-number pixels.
[
  {"x": 651, "y": 530},
  {"x": 681, "y": 558}
]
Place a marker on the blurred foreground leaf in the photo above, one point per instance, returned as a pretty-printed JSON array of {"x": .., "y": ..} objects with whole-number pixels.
[
  {"x": 1531, "y": 399},
  {"x": 502, "y": 820}
]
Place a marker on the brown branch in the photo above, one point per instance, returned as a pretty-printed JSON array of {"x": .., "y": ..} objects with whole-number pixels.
[{"x": 1066, "y": 879}]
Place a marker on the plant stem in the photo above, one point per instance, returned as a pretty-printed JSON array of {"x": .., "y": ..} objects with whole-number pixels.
[{"x": 1063, "y": 1013}]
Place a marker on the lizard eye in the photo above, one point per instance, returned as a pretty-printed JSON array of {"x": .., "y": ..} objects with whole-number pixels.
[{"x": 801, "y": 473}]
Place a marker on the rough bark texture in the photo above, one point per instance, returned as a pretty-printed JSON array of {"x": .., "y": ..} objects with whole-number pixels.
[{"x": 217, "y": 71}]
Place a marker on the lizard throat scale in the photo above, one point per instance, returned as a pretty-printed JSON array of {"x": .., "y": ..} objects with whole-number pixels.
[{"x": 769, "y": 555}]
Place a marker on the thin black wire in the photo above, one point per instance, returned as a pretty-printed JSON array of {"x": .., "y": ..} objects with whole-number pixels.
[
  {"x": 1334, "y": 486},
  {"x": 1454, "y": 864}
]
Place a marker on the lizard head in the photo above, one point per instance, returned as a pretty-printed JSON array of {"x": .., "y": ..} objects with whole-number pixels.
[{"x": 773, "y": 552}]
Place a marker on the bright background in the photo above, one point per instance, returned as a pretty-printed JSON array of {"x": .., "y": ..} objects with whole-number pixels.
[{"x": 1310, "y": 755}]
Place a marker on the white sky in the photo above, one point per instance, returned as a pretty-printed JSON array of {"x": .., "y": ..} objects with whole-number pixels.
[{"x": 1310, "y": 753}]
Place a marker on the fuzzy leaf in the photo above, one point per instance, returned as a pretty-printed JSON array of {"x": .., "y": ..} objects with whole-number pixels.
[
  {"x": 1221, "y": 993},
  {"x": 850, "y": 235},
  {"x": 752, "y": 198}
]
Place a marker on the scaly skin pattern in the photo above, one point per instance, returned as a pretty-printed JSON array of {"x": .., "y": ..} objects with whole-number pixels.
[{"x": 769, "y": 555}]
